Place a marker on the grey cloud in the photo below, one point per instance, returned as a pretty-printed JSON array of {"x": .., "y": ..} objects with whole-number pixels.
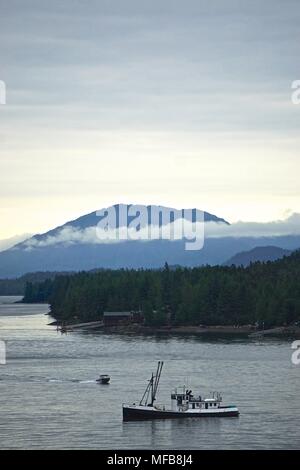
[{"x": 192, "y": 71}]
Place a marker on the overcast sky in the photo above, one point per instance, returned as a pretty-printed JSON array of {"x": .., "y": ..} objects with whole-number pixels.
[{"x": 186, "y": 104}]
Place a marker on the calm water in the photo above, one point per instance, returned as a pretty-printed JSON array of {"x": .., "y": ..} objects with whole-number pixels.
[{"x": 49, "y": 397}]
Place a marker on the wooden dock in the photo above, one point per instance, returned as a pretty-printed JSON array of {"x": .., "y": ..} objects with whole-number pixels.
[{"x": 84, "y": 326}]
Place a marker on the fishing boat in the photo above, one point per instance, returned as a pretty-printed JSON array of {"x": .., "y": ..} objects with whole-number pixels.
[
  {"x": 103, "y": 379},
  {"x": 183, "y": 404}
]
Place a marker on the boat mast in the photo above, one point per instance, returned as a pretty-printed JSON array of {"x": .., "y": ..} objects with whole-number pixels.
[
  {"x": 152, "y": 389},
  {"x": 152, "y": 386},
  {"x": 157, "y": 379},
  {"x": 147, "y": 392}
]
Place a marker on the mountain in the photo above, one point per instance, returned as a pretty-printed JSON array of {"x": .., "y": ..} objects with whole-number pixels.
[
  {"x": 260, "y": 253},
  {"x": 10, "y": 242},
  {"x": 131, "y": 254},
  {"x": 75, "y": 247},
  {"x": 91, "y": 220}
]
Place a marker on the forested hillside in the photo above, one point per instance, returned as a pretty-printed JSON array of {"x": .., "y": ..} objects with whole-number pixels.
[
  {"x": 17, "y": 286},
  {"x": 263, "y": 292}
]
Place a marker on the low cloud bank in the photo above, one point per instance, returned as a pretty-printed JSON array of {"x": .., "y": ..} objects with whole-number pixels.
[
  {"x": 92, "y": 235},
  {"x": 289, "y": 226},
  {"x": 69, "y": 235}
]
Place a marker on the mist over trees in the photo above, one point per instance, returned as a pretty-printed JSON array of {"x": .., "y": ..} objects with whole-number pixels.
[{"x": 263, "y": 292}]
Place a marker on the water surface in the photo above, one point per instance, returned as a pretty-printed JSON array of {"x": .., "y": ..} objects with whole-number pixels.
[{"x": 49, "y": 398}]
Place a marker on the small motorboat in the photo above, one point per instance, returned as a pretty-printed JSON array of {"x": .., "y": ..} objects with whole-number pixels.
[
  {"x": 183, "y": 404},
  {"x": 103, "y": 379}
]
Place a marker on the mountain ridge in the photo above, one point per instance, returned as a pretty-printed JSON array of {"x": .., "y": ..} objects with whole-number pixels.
[
  {"x": 91, "y": 219},
  {"x": 259, "y": 253},
  {"x": 43, "y": 253}
]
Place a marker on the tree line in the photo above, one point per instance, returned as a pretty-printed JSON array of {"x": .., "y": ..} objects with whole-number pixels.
[{"x": 210, "y": 295}]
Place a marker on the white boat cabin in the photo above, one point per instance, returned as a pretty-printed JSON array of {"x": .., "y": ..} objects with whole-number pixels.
[{"x": 182, "y": 399}]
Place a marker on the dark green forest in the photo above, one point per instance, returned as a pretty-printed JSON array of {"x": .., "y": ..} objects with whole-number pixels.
[{"x": 263, "y": 292}]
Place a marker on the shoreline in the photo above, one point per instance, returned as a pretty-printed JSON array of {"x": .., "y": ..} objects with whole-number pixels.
[{"x": 228, "y": 330}]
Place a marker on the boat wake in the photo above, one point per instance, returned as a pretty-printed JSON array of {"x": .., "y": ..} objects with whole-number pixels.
[
  {"x": 78, "y": 381},
  {"x": 41, "y": 379}
]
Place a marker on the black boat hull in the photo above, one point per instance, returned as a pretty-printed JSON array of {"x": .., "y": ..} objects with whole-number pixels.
[{"x": 133, "y": 414}]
